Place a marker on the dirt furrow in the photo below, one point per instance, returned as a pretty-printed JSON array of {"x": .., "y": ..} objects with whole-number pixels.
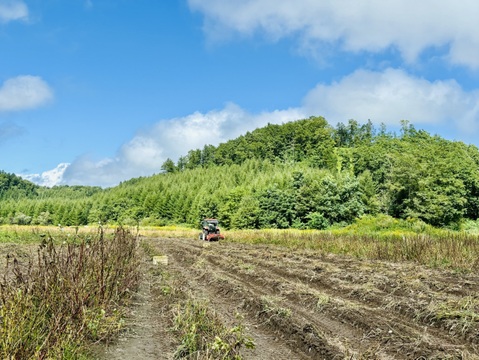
[
  {"x": 304, "y": 305},
  {"x": 317, "y": 337},
  {"x": 403, "y": 292},
  {"x": 356, "y": 294},
  {"x": 204, "y": 284},
  {"x": 359, "y": 315}
]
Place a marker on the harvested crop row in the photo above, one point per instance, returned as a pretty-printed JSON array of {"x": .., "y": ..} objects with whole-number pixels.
[
  {"x": 441, "y": 299},
  {"x": 330, "y": 306}
]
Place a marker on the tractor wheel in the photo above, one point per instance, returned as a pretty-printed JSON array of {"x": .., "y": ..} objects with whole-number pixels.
[{"x": 201, "y": 236}]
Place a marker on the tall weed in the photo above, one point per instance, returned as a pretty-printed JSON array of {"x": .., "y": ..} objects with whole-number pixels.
[{"x": 69, "y": 296}]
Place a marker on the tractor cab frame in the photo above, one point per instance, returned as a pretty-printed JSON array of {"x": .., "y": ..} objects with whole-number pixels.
[{"x": 210, "y": 230}]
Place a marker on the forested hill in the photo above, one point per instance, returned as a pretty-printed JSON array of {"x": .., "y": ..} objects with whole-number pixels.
[
  {"x": 16, "y": 188},
  {"x": 310, "y": 139},
  {"x": 303, "y": 174},
  {"x": 12, "y": 186}
]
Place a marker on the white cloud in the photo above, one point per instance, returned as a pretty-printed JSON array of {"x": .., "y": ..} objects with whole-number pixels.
[
  {"x": 374, "y": 26},
  {"x": 196, "y": 130},
  {"x": 392, "y": 95},
  {"x": 12, "y": 10},
  {"x": 47, "y": 178},
  {"x": 24, "y": 92},
  {"x": 144, "y": 154}
]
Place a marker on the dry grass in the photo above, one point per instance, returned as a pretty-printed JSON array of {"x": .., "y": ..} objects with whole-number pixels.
[
  {"x": 169, "y": 232},
  {"x": 449, "y": 249},
  {"x": 436, "y": 248}
]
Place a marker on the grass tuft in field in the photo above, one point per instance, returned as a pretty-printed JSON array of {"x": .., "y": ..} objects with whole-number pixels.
[
  {"x": 271, "y": 309},
  {"x": 460, "y": 317}
]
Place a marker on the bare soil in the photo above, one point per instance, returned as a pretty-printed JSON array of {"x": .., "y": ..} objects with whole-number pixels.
[{"x": 305, "y": 305}]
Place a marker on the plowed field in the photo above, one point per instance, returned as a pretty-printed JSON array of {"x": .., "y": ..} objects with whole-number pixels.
[{"x": 305, "y": 305}]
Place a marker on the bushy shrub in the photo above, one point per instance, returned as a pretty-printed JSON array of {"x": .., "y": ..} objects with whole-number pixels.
[
  {"x": 317, "y": 221},
  {"x": 21, "y": 219},
  {"x": 44, "y": 218}
]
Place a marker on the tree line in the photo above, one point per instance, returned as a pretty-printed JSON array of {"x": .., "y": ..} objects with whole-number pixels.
[{"x": 302, "y": 174}]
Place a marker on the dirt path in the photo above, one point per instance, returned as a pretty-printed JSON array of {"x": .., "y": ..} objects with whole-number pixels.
[
  {"x": 310, "y": 306},
  {"x": 147, "y": 336}
]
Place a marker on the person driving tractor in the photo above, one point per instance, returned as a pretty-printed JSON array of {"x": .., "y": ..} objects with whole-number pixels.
[{"x": 211, "y": 231}]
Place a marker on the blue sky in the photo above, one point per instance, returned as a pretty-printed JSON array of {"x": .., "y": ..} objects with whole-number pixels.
[{"x": 94, "y": 92}]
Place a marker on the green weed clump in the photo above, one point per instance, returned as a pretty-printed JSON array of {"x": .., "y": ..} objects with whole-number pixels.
[
  {"x": 69, "y": 296},
  {"x": 271, "y": 309},
  {"x": 203, "y": 335}
]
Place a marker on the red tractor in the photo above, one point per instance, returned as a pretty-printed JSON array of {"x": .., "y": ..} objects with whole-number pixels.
[{"x": 210, "y": 230}]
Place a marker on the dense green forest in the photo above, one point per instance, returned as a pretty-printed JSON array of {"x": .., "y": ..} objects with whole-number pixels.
[{"x": 302, "y": 174}]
